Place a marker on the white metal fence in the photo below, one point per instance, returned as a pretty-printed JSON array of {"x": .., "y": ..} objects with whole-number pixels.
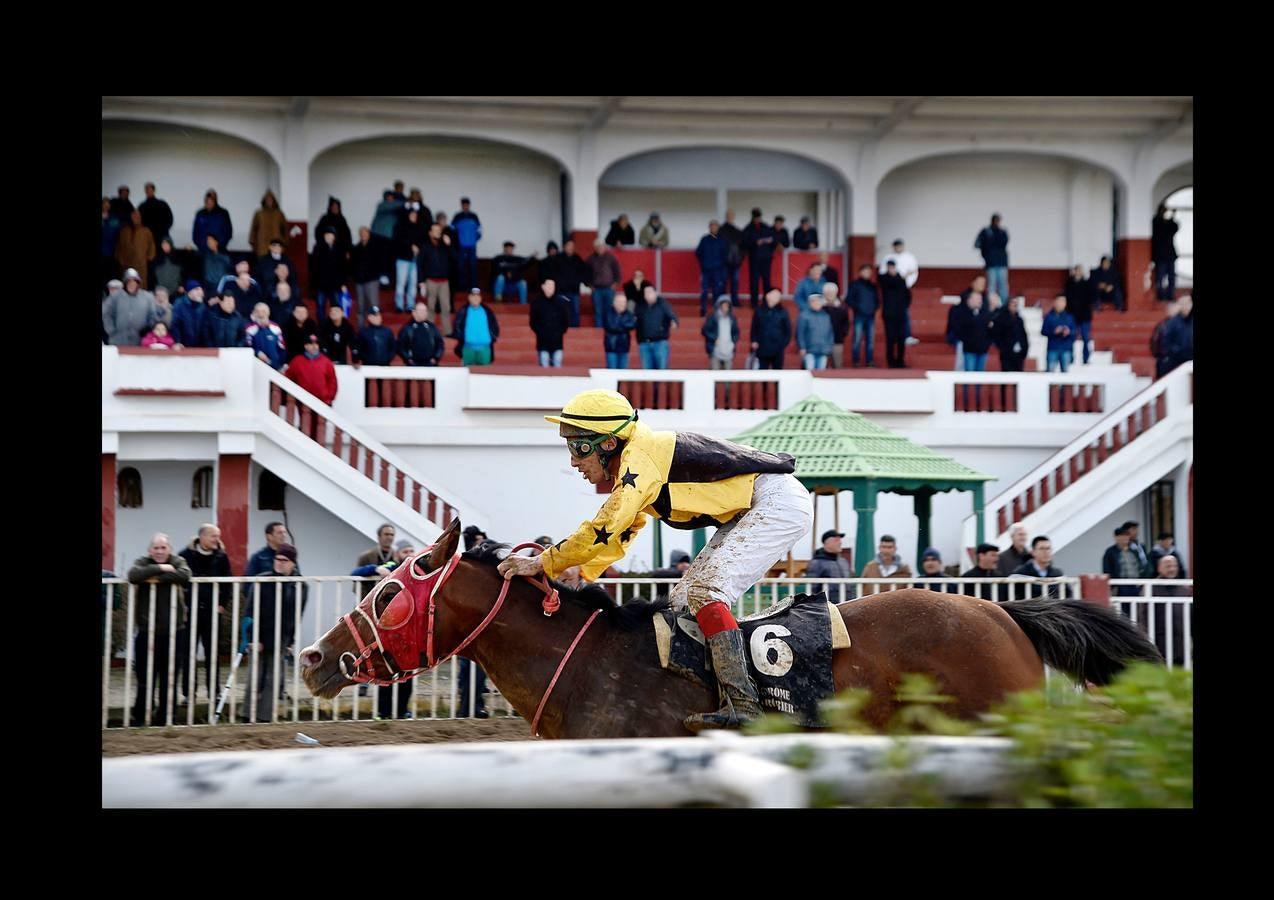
[{"x": 174, "y": 661}]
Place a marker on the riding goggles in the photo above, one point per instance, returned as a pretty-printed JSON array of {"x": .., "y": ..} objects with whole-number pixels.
[{"x": 581, "y": 447}]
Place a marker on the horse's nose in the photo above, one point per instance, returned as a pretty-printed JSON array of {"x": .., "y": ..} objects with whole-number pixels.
[{"x": 311, "y": 657}]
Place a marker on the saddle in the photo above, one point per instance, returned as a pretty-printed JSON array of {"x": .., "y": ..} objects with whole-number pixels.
[{"x": 789, "y": 650}]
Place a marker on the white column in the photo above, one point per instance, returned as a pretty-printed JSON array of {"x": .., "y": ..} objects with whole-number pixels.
[
  {"x": 294, "y": 171},
  {"x": 585, "y": 194},
  {"x": 862, "y": 209},
  {"x": 723, "y": 202},
  {"x": 1181, "y": 509},
  {"x": 1077, "y": 211}
]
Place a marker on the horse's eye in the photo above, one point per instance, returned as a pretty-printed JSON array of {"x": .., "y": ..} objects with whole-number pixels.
[{"x": 393, "y": 606}]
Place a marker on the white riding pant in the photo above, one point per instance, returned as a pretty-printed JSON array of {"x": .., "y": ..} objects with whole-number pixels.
[{"x": 744, "y": 549}]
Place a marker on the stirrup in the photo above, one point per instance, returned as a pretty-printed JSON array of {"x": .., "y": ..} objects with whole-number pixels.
[{"x": 732, "y": 714}]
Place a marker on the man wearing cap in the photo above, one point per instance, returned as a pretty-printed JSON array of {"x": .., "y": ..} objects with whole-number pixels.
[
  {"x": 806, "y": 235},
  {"x": 988, "y": 558},
  {"x": 278, "y": 604},
  {"x": 126, "y": 313},
  {"x": 188, "y": 313},
  {"x": 468, "y": 232},
  {"x": 688, "y": 481},
  {"x": 376, "y": 344},
  {"x": 931, "y": 570},
  {"x": 654, "y": 234},
  {"x": 313, "y": 371},
  {"x": 758, "y": 241},
  {"x": 827, "y": 562}
]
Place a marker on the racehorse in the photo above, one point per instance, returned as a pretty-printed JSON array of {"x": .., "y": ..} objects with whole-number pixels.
[{"x": 576, "y": 665}]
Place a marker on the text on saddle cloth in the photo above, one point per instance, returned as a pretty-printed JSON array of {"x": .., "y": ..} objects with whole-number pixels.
[{"x": 789, "y": 648}]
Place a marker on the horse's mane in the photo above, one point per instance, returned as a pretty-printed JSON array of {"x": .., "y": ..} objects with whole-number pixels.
[{"x": 630, "y": 615}]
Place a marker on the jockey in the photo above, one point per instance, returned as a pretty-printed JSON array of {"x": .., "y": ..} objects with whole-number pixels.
[{"x": 689, "y": 481}]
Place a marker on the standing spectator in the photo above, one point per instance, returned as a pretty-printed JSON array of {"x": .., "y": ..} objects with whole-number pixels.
[
  {"x": 830, "y": 275},
  {"x": 993, "y": 241},
  {"x": 1016, "y": 554},
  {"x": 268, "y": 272},
  {"x": 1079, "y": 303},
  {"x": 781, "y": 234},
  {"x": 711, "y": 253},
  {"x": 808, "y": 286},
  {"x": 420, "y": 343},
  {"x": 1040, "y": 565},
  {"x": 814, "y": 334},
  {"x": 1165, "y": 546},
  {"x": 468, "y": 232},
  {"x": 163, "y": 310},
  {"x": 1008, "y": 332},
  {"x": 337, "y": 337},
  {"x": 451, "y": 239},
  {"x": 265, "y": 337},
  {"x": 417, "y": 202},
  {"x": 282, "y": 303},
  {"x": 603, "y": 275},
  {"x": 247, "y": 294},
  {"x": 335, "y": 220},
  {"x": 397, "y": 192},
  {"x": 158, "y": 338},
  {"x": 268, "y": 225},
  {"x": 296, "y": 330},
  {"x": 278, "y": 605},
  {"x": 733, "y": 236},
  {"x": 171, "y": 575},
  {"x": 166, "y": 270},
  {"x": 126, "y": 313},
  {"x": 1158, "y": 340},
  {"x": 1121, "y": 561},
  {"x": 327, "y": 268},
  {"x": 619, "y": 325},
  {"x": 213, "y": 220},
  {"x": 223, "y": 326},
  {"x": 188, "y": 313},
  {"x": 720, "y": 335},
  {"x": 758, "y": 241},
  {"x": 376, "y": 343},
  {"x": 156, "y": 214},
  {"x": 887, "y": 564},
  {"x": 1179, "y": 334},
  {"x": 1106, "y": 285},
  {"x": 550, "y": 317},
  {"x": 410, "y": 235},
  {"x": 365, "y": 269},
  {"x": 135, "y": 247},
  {"x": 240, "y": 268},
  {"x": 1135, "y": 546},
  {"x": 215, "y": 264},
  {"x": 635, "y": 290},
  {"x": 895, "y": 299},
  {"x": 476, "y": 331},
  {"x": 654, "y": 234},
  {"x": 435, "y": 270},
  {"x": 121, "y": 206},
  {"x": 1163, "y": 252},
  {"x": 909, "y": 269},
  {"x": 621, "y": 232},
  {"x": 571, "y": 275},
  {"x": 111, "y": 225},
  {"x": 771, "y": 331},
  {"x": 1168, "y": 567},
  {"x": 262, "y": 562},
  {"x": 655, "y": 318},
  {"x": 314, "y": 371},
  {"x": 954, "y": 315},
  {"x": 838, "y": 312},
  {"x": 931, "y": 569},
  {"x": 206, "y": 557},
  {"x": 387, "y": 214},
  {"x": 988, "y": 559},
  {"x": 974, "y": 331},
  {"x": 864, "y": 300},
  {"x": 827, "y": 562},
  {"x": 552, "y": 269},
  {"x": 510, "y": 271},
  {"x": 381, "y": 555},
  {"x": 1059, "y": 328},
  {"x": 806, "y": 235}
]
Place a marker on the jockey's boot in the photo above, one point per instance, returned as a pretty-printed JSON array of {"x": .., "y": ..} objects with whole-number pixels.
[{"x": 740, "y": 701}]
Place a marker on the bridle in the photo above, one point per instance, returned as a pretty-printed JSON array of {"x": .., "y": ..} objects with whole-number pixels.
[{"x": 394, "y": 641}]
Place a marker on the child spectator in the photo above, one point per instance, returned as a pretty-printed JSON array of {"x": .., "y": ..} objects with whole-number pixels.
[{"x": 158, "y": 338}]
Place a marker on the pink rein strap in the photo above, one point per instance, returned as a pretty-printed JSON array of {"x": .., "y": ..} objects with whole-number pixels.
[{"x": 535, "y": 722}]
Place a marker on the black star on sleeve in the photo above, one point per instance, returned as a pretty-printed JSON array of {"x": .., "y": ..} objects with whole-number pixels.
[
  {"x": 630, "y": 478},
  {"x": 626, "y": 536},
  {"x": 602, "y": 535}
]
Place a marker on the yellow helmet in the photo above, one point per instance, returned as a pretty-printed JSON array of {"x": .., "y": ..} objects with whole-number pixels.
[{"x": 598, "y": 412}]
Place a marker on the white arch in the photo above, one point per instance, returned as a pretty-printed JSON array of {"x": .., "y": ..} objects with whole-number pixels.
[
  {"x": 893, "y": 157},
  {"x": 264, "y": 137}
]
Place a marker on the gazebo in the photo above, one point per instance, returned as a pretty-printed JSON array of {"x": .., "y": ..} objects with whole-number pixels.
[{"x": 837, "y": 450}]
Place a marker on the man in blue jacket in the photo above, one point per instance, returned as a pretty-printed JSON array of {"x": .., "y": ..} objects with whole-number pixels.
[
  {"x": 1059, "y": 328},
  {"x": 711, "y": 253},
  {"x": 469, "y": 231},
  {"x": 188, "y": 313},
  {"x": 375, "y": 341},
  {"x": 993, "y": 241},
  {"x": 864, "y": 299},
  {"x": 213, "y": 220},
  {"x": 814, "y": 334},
  {"x": 760, "y": 243}
]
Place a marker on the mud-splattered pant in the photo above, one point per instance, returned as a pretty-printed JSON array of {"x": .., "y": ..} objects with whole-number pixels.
[{"x": 744, "y": 549}]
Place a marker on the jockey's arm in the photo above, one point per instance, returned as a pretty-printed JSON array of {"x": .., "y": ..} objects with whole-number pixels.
[
  {"x": 594, "y": 568},
  {"x": 603, "y": 539}
]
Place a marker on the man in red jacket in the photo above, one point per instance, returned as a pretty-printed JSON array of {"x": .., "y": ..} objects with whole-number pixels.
[{"x": 316, "y": 373}]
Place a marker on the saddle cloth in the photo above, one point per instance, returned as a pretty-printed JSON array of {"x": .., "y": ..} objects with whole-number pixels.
[{"x": 789, "y": 649}]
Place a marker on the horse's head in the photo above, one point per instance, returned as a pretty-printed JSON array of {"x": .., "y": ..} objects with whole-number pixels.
[{"x": 391, "y": 634}]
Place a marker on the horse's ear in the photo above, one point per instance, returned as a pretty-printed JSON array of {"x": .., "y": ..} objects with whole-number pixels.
[{"x": 446, "y": 545}]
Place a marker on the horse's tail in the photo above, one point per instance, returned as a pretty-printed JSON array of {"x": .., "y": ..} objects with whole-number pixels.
[{"x": 1086, "y": 641}]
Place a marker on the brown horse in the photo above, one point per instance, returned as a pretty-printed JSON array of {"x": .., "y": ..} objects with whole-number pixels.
[{"x": 613, "y": 686}]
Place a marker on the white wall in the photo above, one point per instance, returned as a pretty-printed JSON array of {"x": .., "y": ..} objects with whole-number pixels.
[
  {"x": 685, "y": 212},
  {"x": 183, "y": 163},
  {"x": 165, "y": 507},
  {"x": 515, "y": 192},
  {"x": 1057, "y": 212}
]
